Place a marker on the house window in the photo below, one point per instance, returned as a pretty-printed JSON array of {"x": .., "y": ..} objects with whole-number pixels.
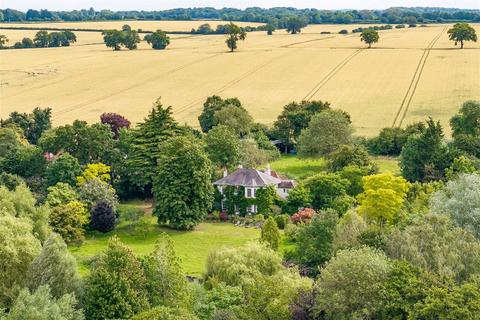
[{"x": 249, "y": 193}]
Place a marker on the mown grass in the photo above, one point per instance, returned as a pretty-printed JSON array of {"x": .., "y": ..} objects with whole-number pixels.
[
  {"x": 297, "y": 168},
  {"x": 387, "y": 164},
  {"x": 191, "y": 246}
]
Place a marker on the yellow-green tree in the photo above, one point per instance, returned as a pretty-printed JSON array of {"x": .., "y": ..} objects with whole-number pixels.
[
  {"x": 98, "y": 171},
  {"x": 383, "y": 198}
]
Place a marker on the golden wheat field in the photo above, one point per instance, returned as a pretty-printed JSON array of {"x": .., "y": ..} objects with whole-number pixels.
[{"x": 409, "y": 75}]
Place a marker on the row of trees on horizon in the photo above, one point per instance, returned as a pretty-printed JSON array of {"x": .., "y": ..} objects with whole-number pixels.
[{"x": 254, "y": 14}]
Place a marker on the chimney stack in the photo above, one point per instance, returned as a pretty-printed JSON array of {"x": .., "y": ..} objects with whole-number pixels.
[
  {"x": 268, "y": 171},
  {"x": 240, "y": 166},
  {"x": 225, "y": 172}
]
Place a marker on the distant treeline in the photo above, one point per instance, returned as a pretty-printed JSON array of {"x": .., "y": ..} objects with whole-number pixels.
[{"x": 276, "y": 16}]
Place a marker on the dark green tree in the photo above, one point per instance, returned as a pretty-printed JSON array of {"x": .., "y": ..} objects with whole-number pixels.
[
  {"x": 425, "y": 156},
  {"x": 295, "y": 24},
  {"x": 325, "y": 189},
  {"x": 466, "y": 128},
  {"x": 234, "y": 34},
  {"x": 314, "y": 241},
  {"x": 462, "y": 32},
  {"x": 88, "y": 143},
  {"x": 369, "y": 36},
  {"x": 33, "y": 124},
  {"x": 116, "y": 286},
  {"x": 159, "y": 39},
  {"x": 42, "y": 39},
  {"x": 143, "y": 150},
  {"x": 326, "y": 132},
  {"x": 270, "y": 28},
  {"x": 131, "y": 39},
  {"x": 113, "y": 39},
  {"x": 65, "y": 169},
  {"x": 349, "y": 155},
  {"x": 294, "y": 118},
  {"x": 182, "y": 183},
  {"x": 212, "y": 105}
]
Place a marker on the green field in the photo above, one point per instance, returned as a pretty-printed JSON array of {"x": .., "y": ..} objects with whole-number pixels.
[
  {"x": 191, "y": 246},
  {"x": 298, "y": 169}
]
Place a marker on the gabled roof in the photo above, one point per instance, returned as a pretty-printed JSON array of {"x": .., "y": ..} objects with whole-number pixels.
[
  {"x": 287, "y": 184},
  {"x": 247, "y": 178}
]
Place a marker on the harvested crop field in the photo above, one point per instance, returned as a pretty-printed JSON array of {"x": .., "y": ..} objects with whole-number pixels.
[{"x": 409, "y": 75}]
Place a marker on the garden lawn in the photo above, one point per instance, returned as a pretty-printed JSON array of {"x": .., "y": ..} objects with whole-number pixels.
[
  {"x": 191, "y": 246},
  {"x": 387, "y": 164},
  {"x": 297, "y": 168}
]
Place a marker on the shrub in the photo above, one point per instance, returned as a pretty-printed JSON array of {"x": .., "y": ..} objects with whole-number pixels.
[
  {"x": 103, "y": 217},
  {"x": 131, "y": 214},
  {"x": 282, "y": 220},
  {"x": 303, "y": 216},
  {"x": 10, "y": 181},
  {"x": 270, "y": 234},
  {"x": 349, "y": 155},
  {"x": 399, "y": 26},
  {"x": 291, "y": 231},
  {"x": 343, "y": 31},
  {"x": 223, "y": 216},
  {"x": 69, "y": 221}
]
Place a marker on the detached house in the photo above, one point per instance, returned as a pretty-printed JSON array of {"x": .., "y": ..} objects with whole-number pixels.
[{"x": 252, "y": 180}]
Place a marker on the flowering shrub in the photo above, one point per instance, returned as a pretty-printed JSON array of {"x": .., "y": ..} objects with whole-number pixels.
[
  {"x": 303, "y": 215},
  {"x": 223, "y": 216}
]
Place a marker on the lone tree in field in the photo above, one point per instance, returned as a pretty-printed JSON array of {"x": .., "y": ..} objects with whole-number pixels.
[
  {"x": 113, "y": 39},
  {"x": 270, "y": 28},
  {"x": 159, "y": 39},
  {"x": 462, "y": 32},
  {"x": 3, "y": 40},
  {"x": 295, "y": 24},
  {"x": 369, "y": 36},
  {"x": 234, "y": 34}
]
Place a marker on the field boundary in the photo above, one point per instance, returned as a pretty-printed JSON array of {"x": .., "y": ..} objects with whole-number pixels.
[
  {"x": 407, "y": 99},
  {"x": 98, "y": 30},
  {"x": 330, "y": 75}
]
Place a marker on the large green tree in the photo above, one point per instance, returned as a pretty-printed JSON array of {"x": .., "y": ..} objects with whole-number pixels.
[
  {"x": 63, "y": 169},
  {"x": 314, "y": 241},
  {"x": 40, "y": 305},
  {"x": 466, "y": 128},
  {"x": 234, "y": 34},
  {"x": 326, "y": 131},
  {"x": 462, "y": 32},
  {"x": 237, "y": 119},
  {"x": 33, "y": 124},
  {"x": 87, "y": 143},
  {"x": 369, "y": 36},
  {"x": 158, "y": 39},
  {"x": 326, "y": 189},
  {"x": 460, "y": 199},
  {"x": 55, "y": 267},
  {"x": 223, "y": 146},
  {"x": 182, "y": 184},
  {"x": 435, "y": 245},
  {"x": 18, "y": 248},
  {"x": 212, "y": 105},
  {"x": 294, "y": 118},
  {"x": 116, "y": 285},
  {"x": 425, "y": 156},
  {"x": 144, "y": 144},
  {"x": 166, "y": 284},
  {"x": 349, "y": 287},
  {"x": 295, "y": 24}
]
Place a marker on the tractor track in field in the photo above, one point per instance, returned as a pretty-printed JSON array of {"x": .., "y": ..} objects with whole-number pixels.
[
  {"x": 407, "y": 99},
  {"x": 330, "y": 75},
  {"x": 306, "y": 41},
  {"x": 228, "y": 84},
  {"x": 136, "y": 85}
]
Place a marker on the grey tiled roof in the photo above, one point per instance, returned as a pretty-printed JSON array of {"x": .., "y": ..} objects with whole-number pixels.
[{"x": 247, "y": 178}]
